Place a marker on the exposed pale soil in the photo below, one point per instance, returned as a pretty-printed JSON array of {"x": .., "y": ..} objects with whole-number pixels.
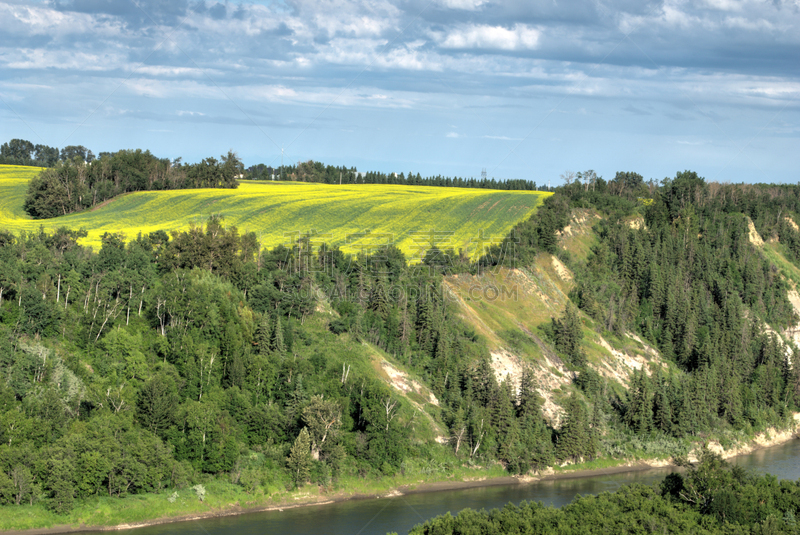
[
  {"x": 755, "y": 239},
  {"x": 636, "y": 223},
  {"x": 561, "y": 270}
]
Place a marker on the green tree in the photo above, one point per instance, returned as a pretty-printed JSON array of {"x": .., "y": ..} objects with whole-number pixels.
[
  {"x": 264, "y": 336},
  {"x": 278, "y": 344},
  {"x": 639, "y": 412},
  {"x": 573, "y": 437},
  {"x": 323, "y": 421},
  {"x": 157, "y": 403},
  {"x": 568, "y": 332},
  {"x": 299, "y": 462},
  {"x": 61, "y": 484}
]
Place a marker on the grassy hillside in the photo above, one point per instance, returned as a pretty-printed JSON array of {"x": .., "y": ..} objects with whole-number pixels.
[
  {"x": 508, "y": 307},
  {"x": 276, "y": 211}
]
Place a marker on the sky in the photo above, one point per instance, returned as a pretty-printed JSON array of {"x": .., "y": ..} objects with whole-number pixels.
[{"x": 524, "y": 89}]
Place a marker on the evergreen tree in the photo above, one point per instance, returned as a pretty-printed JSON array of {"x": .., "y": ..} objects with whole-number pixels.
[
  {"x": 528, "y": 398},
  {"x": 569, "y": 334},
  {"x": 264, "y": 336},
  {"x": 378, "y": 300},
  {"x": 639, "y": 413},
  {"x": 299, "y": 461},
  {"x": 662, "y": 407},
  {"x": 278, "y": 344},
  {"x": 573, "y": 437}
]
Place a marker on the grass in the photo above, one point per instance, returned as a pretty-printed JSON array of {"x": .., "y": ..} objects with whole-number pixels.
[
  {"x": 279, "y": 211},
  {"x": 224, "y": 496},
  {"x": 500, "y": 303},
  {"x": 777, "y": 254}
]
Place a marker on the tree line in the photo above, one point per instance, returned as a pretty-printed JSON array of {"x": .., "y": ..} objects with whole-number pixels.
[
  {"x": 75, "y": 184},
  {"x": 23, "y": 152},
  {"x": 312, "y": 171}
]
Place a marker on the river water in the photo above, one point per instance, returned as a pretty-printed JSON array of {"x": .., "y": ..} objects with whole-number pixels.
[{"x": 400, "y": 514}]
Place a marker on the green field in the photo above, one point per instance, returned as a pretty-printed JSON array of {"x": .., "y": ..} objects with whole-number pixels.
[{"x": 407, "y": 216}]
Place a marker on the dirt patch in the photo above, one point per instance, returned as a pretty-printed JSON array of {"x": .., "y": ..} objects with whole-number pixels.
[
  {"x": 636, "y": 223},
  {"x": 622, "y": 364},
  {"x": 580, "y": 222},
  {"x": 549, "y": 373},
  {"x": 561, "y": 270},
  {"x": 793, "y": 332},
  {"x": 323, "y": 303},
  {"x": 579, "y": 227},
  {"x": 507, "y": 366},
  {"x": 650, "y": 350},
  {"x": 791, "y": 223},
  {"x": 400, "y": 382},
  {"x": 755, "y": 239}
]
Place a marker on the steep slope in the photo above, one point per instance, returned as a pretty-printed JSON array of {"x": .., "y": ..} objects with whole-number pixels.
[
  {"x": 507, "y": 307},
  {"x": 776, "y": 253}
]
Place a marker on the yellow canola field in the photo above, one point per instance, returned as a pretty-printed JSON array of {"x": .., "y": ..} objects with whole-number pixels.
[{"x": 355, "y": 217}]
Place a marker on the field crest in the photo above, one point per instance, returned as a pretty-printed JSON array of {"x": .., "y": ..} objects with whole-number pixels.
[{"x": 278, "y": 212}]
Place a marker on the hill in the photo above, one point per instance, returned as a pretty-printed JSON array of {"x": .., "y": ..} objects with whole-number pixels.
[
  {"x": 279, "y": 211},
  {"x": 627, "y": 325}
]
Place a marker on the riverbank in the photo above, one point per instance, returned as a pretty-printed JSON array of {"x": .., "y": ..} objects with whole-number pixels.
[
  {"x": 309, "y": 497},
  {"x": 766, "y": 439}
]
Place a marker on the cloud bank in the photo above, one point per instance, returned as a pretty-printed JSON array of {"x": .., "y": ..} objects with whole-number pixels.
[{"x": 532, "y": 88}]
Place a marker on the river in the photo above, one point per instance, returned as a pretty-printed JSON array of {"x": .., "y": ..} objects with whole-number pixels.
[{"x": 401, "y": 513}]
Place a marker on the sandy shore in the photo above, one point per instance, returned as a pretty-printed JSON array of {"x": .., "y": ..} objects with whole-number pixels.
[{"x": 764, "y": 440}]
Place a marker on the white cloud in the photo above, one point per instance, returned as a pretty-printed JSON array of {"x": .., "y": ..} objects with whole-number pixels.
[
  {"x": 37, "y": 20},
  {"x": 503, "y": 138},
  {"x": 748, "y": 23},
  {"x": 40, "y": 58},
  {"x": 520, "y": 37},
  {"x": 469, "y": 5},
  {"x": 452, "y": 135},
  {"x": 725, "y": 5}
]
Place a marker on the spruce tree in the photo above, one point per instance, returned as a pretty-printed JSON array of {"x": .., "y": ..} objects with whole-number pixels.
[
  {"x": 569, "y": 334},
  {"x": 264, "y": 336},
  {"x": 662, "y": 408},
  {"x": 537, "y": 441},
  {"x": 595, "y": 430},
  {"x": 528, "y": 399},
  {"x": 378, "y": 300},
  {"x": 573, "y": 437},
  {"x": 639, "y": 413},
  {"x": 278, "y": 344}
]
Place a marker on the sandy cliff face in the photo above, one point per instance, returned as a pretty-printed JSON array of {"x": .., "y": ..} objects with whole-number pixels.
[{"x": 507, "y": 306}]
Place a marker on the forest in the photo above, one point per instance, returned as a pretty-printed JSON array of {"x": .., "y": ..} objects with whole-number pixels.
[{"x": 163, "y": 361}]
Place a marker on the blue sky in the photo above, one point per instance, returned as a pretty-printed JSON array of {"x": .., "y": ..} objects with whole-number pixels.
[{"x": 524, "y": 89}]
